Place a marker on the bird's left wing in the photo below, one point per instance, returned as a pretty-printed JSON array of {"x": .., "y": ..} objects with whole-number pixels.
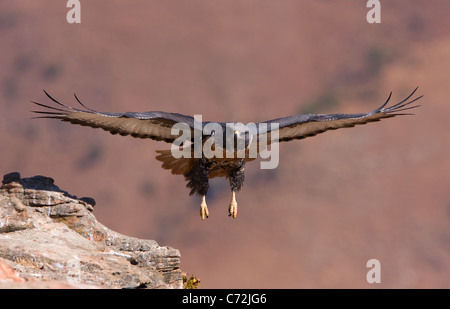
[
  {"x": 154, "y": 125},
  {"x": 301, "y": 126}
]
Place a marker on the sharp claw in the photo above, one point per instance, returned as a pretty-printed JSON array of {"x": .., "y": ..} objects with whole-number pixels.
[
  {"x": 204, "y": 213},
  {"x": 232, "y": 210}
]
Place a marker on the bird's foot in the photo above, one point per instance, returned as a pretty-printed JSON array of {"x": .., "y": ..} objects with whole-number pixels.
[
  {"x": 204, "y": 213},
  {"x": 232, "y": 209}
]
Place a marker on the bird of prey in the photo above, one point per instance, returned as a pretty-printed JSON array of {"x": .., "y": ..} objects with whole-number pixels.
[{"x": 198, "y": 169}]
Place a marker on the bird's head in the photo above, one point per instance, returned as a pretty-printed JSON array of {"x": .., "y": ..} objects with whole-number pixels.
[{"x": 237, "y": 137}]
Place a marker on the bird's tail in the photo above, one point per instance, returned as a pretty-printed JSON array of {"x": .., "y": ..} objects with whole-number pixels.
[{"x": 177, "y": 166}]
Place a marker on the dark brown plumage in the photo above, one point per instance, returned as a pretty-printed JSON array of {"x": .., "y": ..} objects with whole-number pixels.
[{"x": 197, "y": 171}]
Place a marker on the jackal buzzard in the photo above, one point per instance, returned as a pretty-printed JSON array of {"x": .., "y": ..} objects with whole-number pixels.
[{"x": 198, "y": 169}]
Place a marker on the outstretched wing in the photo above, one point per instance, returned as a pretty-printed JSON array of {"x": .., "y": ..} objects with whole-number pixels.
[
  {"x": 155, "y": 125},
  {"x": 301, "y": 126}
]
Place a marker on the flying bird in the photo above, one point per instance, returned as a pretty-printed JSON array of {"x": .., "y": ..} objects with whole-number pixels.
[{"x": 197, "y": 168}]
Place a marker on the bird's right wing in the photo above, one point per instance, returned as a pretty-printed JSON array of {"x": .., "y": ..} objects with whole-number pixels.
[{"x": 155, "y": 125}]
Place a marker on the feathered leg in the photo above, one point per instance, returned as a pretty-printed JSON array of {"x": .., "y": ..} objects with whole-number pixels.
[
  {"x": 198, "y": 182},
  {"x": 236, "y": 177}
]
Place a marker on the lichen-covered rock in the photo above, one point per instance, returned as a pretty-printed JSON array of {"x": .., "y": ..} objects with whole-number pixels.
[{"x": 48, "y": 235}]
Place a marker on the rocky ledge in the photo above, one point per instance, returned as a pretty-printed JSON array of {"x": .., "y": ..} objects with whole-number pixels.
[{"x": 51, "y": 239}]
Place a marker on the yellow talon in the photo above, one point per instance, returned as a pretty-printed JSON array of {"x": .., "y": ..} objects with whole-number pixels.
[
  {"x": 204, "y": 213},
  {"x": 233, "y": 206}
]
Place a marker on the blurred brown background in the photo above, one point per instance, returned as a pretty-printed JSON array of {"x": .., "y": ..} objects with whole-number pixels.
[{"x": 335, "y": 201}]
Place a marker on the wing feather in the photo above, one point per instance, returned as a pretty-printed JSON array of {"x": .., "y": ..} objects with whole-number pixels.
[
  {"x": 155, "y": 125},
  {"x": 302, "y": 126},
  {"x": 158, "y": 125}
]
